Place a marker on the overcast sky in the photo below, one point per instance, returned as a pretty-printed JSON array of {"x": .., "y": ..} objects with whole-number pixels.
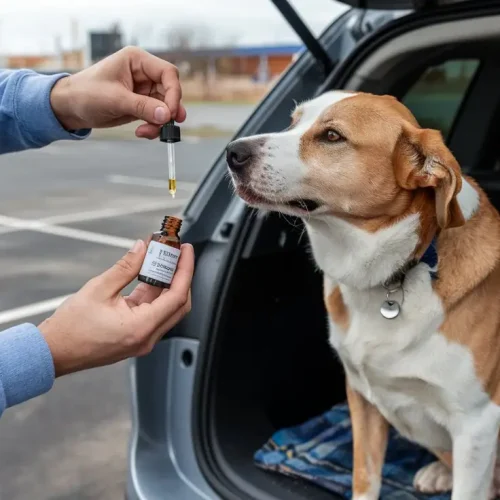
[{"x": 31, "y": 26}]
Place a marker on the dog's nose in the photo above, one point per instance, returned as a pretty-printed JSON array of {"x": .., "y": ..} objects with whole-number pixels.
[{"x": 238, "y": 154}]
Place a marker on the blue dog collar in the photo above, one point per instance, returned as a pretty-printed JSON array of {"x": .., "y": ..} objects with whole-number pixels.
[{"x": 430, "y": 258}]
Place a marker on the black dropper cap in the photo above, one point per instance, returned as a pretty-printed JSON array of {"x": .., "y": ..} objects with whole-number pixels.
[{"x": 170, "y": 132}]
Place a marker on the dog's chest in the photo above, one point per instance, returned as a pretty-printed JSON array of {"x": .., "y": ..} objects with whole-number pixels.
[{"x": 415, "y": 377}]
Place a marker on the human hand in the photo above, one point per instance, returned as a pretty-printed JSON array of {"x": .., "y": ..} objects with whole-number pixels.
[
  {"x": 131, "y": 84},
  {"x": 98, "y": 326}
]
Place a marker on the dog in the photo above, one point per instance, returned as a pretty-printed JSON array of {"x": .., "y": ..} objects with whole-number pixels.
[{"x": 410, "y": 252}]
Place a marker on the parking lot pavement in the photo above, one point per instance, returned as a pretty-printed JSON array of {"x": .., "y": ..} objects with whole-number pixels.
[{"x": 67, "y": 213}]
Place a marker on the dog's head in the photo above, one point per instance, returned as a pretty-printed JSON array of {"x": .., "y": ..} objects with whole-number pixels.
[{"x": 356, "y": 156}]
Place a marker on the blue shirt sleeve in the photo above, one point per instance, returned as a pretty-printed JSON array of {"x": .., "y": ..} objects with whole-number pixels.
[
  {"x": 27, "y": 121},
  {"x": 26, "y": 117},
  {"x": 26, "y": 365}
]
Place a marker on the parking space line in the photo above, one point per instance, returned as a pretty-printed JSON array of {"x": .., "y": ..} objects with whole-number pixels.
[
  {"x": 67, "y": 232},
  {"x": 52, "y": 225},
  {"x": 33, "y": 309},
  {"x": 107, "y": 213},
  {"x": 80, "y": 234},
  {"x": 148, "y": 182}
]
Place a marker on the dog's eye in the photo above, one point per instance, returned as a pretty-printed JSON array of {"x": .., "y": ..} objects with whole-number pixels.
[{"x": 333, "y": 136}]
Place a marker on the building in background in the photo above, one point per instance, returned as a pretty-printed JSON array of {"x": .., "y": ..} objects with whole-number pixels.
[
  {"x": 260, "y": 63},
  {"x": 230, "y": 73},
  {"x": 223, "y": 73},
  {"x": 66, "y": 59},
  {"x": 69, "y": 61}
]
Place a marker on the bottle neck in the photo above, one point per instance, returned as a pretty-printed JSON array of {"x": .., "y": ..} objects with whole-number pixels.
[{"x": 171, "y": 226}]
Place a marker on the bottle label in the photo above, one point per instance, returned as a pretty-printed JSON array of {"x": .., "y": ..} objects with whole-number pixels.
[{"x": 160, "y": 262}]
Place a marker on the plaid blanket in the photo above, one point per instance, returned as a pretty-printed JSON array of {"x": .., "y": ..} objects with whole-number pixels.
[{"x": 320, "y": 451}]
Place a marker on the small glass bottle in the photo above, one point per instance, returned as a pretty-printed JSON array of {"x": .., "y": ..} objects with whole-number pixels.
[{"x": 163, "y": 253}]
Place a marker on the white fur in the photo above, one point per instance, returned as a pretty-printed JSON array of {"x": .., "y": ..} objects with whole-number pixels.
[
  {"x": 468, "y": 199},
  {"x": 350, "y": 255},
  {"x": 311, "y": 110},
  {"x": 432, "y": 478},
  {"x": 283, "y": 180},
  {"x": 423, "y": 384}
]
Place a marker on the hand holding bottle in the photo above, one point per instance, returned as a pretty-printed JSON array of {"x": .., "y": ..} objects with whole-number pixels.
[{"x": 98, "y": 326}]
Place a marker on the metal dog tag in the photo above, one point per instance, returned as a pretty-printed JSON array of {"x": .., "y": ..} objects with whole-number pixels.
[{"x": 390, "y": 309}]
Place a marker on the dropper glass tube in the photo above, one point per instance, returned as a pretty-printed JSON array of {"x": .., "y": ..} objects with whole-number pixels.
[
  {"x": 171, "y": 133},
  {"x": 171, "y": 168}
]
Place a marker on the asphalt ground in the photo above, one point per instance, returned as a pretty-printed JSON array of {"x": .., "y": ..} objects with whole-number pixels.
[{"x": 67, "y": 213}]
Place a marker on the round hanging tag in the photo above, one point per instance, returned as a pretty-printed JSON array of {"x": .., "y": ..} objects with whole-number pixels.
[{"x": 390, "y": 309}]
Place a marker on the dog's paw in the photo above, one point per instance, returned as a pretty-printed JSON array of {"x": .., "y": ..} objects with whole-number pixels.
[{"x": 433, "y": 478}]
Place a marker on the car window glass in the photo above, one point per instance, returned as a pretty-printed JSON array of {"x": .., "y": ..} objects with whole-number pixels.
[{"x": 436, "y": 97}]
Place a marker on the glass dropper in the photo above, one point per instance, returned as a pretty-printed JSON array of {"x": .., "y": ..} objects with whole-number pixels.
[
  {"x": 171, "y": 168},
  {"x": 171, "y": 133}
]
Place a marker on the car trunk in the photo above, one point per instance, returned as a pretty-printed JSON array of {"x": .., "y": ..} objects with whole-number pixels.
[
  {"x": 273, "y": 366},
  {"x": 270, "y": 363}
]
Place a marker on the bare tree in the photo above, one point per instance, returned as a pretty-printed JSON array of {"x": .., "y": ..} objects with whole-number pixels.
[
  {"x": 181, "y": 37},
  {"x": 184, "y": 39}
]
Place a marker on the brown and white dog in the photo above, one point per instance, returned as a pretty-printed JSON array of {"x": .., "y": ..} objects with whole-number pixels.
[{"x": 375, "y": 191}]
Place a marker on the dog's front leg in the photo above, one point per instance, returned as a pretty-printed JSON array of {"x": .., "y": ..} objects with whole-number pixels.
[
  {"x": 370, "y": 434},
  {"x": 474, "y": 457}
]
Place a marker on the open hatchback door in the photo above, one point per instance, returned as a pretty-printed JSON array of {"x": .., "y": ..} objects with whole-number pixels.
[{"x": 253, "y": 357}]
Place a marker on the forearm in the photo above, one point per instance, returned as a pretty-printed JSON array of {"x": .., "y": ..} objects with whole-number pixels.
[
  {"x": 26, "y": 365},
  {"x": 26, "y": 118}
]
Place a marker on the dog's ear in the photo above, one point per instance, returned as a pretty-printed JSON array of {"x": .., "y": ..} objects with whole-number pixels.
[{"x": 422, "y": 160}]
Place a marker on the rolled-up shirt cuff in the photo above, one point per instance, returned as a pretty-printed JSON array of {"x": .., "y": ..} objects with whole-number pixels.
[
  {"x": 26, "y": 365},
  {"x": 37, "y": 120}
]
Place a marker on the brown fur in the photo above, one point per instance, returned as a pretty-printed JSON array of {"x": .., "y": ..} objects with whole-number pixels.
[
  {"x": 337, "y": 309},
  {"x": 370, "y": 434},
  {"x": 377, "y": 193},
  {"x": 469, "y": 286},
  {"x": 366, "y": 193},
  {"x": 422, "y": 160},
  {"x": 410, "y": 170}
]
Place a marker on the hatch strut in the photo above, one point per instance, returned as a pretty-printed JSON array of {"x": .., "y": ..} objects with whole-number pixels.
[{"x": 310, "y": 41}]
